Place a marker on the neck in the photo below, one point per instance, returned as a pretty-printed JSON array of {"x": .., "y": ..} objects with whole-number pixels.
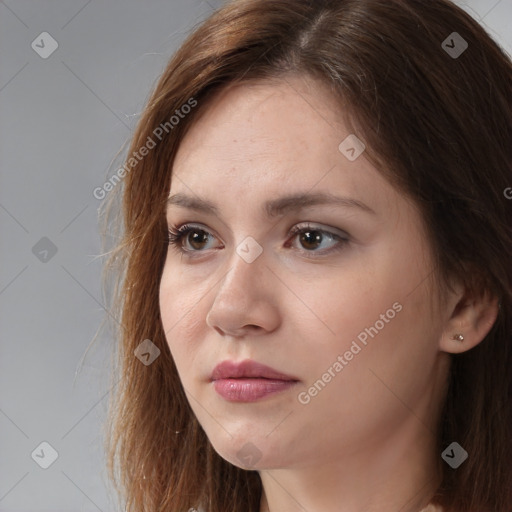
[{"x": 400, "y": 475}]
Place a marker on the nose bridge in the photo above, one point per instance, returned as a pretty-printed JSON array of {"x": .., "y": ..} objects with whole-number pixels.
[
  {"x": 246, "y": 265},
  {"x": 237, "y": 302}
]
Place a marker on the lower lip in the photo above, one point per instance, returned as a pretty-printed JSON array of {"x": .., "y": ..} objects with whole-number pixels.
[{"x": 250, "y": 390}]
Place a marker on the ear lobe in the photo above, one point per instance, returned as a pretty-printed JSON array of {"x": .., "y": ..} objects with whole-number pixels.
[{"x": 471, "y": 320}]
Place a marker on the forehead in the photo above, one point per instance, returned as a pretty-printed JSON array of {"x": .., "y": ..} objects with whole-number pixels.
[
  {"x": 260, "y": 139},
  {"x": 291, "y": 122},
  {"x": 262, "y": 114}
]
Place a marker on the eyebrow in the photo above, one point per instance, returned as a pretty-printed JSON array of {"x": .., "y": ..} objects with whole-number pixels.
[{"x": 274, "y": 207}]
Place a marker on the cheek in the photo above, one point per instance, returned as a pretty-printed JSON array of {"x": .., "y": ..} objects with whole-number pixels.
[
  {"x": 167, "y": 302},
  {"x": 351, "y": 299},
  {"x": 180, "y": 319},
  {"x": 378, "y": 299}
]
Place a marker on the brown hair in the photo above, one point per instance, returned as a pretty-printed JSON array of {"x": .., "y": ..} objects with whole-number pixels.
[{"x": 438, "y": 126}]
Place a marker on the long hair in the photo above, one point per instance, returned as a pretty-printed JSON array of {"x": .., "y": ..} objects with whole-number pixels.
[{"x": 436, "y": 119}]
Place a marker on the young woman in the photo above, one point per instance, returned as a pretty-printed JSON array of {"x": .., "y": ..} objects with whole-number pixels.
[{"x": 314, "y": 273}]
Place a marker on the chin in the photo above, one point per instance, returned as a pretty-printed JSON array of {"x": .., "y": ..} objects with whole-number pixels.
[{"x": 249, "y": 453}]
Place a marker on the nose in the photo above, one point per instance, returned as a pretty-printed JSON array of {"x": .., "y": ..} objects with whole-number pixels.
[{"x": 246, "y": 300}]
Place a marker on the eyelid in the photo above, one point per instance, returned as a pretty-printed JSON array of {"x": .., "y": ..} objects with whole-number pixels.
[
  {"x": 314, "y": 226},
  {"x": 291, "y": 231},
  {"x": 178, "y": 232},
  {"x": 295, "y": 227}
]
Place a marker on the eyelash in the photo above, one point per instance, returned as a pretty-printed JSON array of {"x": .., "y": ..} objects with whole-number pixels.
[{"x": 177, "y": 233}]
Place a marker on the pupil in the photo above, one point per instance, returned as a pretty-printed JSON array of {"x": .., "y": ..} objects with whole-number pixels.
[
  {"x": 196, "y": 237},
  {"x": 312, "y": 238}
]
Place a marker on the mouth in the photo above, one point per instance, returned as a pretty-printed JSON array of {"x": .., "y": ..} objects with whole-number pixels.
[
  {"x": 248, "y": 369},
  {"x": 249, "y": 381}
]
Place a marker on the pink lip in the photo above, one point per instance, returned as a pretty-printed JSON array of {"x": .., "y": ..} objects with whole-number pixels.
[{"x": 248, "y": 381}]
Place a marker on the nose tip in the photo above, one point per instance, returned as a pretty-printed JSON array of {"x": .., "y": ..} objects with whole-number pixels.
[
  {"x": 227, "y": 319},
  {"x": 244, "y": 302}
]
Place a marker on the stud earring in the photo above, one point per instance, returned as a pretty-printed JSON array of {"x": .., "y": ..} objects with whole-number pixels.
[{"x": 458, "y": 337}]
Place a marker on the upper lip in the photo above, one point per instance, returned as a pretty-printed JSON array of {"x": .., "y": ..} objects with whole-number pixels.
[{"x": 247, "y": 369}]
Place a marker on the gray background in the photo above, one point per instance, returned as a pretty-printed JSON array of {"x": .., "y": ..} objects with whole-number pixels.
[{"x": 62, "y": 121}]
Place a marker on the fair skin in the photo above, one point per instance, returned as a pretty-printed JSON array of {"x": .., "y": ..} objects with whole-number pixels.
[{"x": 366, "y": 441}]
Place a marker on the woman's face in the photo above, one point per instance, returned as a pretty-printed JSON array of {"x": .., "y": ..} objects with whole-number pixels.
[{"x": 341, "y": 307}]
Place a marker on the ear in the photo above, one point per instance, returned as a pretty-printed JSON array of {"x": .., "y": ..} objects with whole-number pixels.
[{"x": 471, "y": 315}]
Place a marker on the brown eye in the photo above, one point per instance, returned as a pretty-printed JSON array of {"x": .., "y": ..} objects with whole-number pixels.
[
  {"x": 309, "y": 239},
  {"x": 312, "y": 238},
  {"x": 196, "y": 238},
  {"x": 193, "y": 239}
]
